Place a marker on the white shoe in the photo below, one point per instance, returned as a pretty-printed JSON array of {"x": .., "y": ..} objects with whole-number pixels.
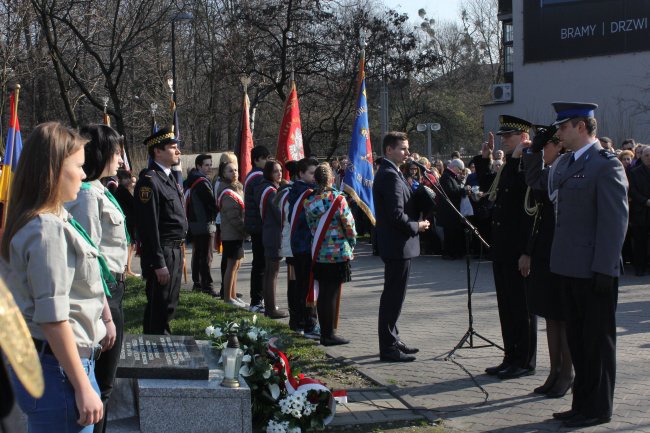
[{"x": 241, "y": 301}]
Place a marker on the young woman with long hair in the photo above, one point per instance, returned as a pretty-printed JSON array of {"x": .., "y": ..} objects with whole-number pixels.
[
  {"x": 60, "y": 292},
  {"x": 98, "y": 211}
]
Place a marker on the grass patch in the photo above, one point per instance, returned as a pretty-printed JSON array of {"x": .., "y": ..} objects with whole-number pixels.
[{"x": 196, "y": 311}]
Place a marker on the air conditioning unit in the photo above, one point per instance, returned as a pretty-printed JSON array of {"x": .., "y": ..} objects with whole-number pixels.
[{"x": 501, "y": 92}]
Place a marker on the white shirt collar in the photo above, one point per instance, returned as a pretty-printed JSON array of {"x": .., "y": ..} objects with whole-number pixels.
[
  {"x": 166, "y": 170},
  {"x": 392, "y": 163},
  {"x": 578, "y": 153}
]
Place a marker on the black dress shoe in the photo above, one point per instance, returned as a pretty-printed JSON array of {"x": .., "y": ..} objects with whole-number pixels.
[
  {"x": 334, "y": 340},
  {"x": 493, "y": 371},
  {"x": 405, "y": 349},
  {"x": 559, "y": 391},
  {"x": 583, "y": 421},
  {"x": 514, "y": 372},
  {"x": 567, "y": 414},
  {"x": 544, "y": 389},
  {"x": 396, "y": 356}
]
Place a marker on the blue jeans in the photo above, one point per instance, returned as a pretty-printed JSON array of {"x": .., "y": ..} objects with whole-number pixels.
[{"x": 56, "y": 410}]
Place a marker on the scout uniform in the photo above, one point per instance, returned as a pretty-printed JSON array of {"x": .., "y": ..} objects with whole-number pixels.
[{"x": 162, "y": 227}]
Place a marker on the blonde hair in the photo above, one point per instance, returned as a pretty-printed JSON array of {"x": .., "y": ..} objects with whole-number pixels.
[
  {"x": 35, "y": 187},
  {"x": 228, "y": 157}
]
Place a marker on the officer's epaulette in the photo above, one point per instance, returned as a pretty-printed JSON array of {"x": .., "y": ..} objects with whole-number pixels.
[
  {"x": 146, "y": 172},
  {"x": 607, "y": 154}
]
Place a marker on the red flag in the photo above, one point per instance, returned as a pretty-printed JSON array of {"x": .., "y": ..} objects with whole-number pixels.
[
  {"x": 245, "y": 141},
  {"x": 290, "y": 146}
]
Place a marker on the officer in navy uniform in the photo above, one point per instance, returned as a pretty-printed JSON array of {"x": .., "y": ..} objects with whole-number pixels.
[
  {"x": 589, "y": 188},
  {"x": 162, "y": 227},
  {"x": 510, "y": 228}
]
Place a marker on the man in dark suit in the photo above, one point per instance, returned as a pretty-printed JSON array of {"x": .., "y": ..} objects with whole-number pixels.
[
  {"x": 510, "y": 228},
  {"x": 397, "y": 233},
  {"x": 162, "y": 226},
  {"x": 589, "y": 189}
]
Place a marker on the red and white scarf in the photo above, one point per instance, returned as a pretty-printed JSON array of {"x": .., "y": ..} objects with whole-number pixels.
[
  {"x": 233, "y": 195},
  {"x": 316, "y": 244},
  {"x": 297, "y": 209},
  {"x": 252, "y": 175},
  {"x": 264, "y": 199}
]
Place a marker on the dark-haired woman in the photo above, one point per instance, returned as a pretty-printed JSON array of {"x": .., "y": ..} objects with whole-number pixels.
[
  {"x": 541, "y": 285},
  {"x": 60, "y": 292},
  {"x": 99, "y": 213},
  {"x": 265, "y": 194},
  {"x": 335, "y": 236}
]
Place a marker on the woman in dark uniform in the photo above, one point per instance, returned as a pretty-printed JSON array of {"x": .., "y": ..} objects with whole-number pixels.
[{"x": 542, "y": 290}]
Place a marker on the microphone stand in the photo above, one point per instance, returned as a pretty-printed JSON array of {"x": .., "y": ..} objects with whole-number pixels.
[{"x": 468, "y": 337}]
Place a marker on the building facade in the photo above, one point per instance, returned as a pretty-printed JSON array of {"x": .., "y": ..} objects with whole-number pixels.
[{"x": 576, "y": 50}]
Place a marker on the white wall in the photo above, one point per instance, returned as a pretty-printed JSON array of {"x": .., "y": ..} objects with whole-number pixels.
[{"x": 619, "y": 84}]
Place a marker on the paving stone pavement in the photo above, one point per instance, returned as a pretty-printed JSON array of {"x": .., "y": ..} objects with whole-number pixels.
[{"x": 434, "y": 318}]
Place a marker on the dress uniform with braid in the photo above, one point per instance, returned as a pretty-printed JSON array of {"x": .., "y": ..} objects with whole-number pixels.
[{"x": 162, "y": 226}]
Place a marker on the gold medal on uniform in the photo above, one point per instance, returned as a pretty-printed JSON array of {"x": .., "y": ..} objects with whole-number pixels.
[{"x": 16, "y": 343}]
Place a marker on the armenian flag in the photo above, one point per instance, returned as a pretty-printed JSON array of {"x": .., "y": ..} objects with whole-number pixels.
[{"x": 13, "y": 149}]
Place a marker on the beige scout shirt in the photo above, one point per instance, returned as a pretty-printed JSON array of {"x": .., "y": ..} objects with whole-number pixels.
[
  {"x": 103, "y": 222},
  {"x": 59, "y": 278}
]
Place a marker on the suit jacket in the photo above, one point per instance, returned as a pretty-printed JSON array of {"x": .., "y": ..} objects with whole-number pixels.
[
  {"x": 397, "y": 225},
  {"x": 591, "y": 211},
  {"x": 639, "y": 195}
]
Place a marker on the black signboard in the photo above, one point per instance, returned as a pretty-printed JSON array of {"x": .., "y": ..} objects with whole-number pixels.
[
  {"x": 161, "y": 357},
  {"x": 565, "y": 29}
]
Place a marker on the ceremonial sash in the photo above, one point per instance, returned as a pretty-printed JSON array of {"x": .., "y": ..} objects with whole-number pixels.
[
  {"x": 316, "y": 244},
  {"x": 283, "y": 202},
  {"x": 297, "y": 209},
  {"x": 188, "y": 193},
  {"x": 252, "y": 175},
  {"x": 233, "y": 195},
  {"x": 264, "y": 199},
  {"x": 301, "y": 383}
]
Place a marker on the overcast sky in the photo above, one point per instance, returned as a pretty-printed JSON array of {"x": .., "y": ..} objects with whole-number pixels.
[{"x": 441, "y": 10}]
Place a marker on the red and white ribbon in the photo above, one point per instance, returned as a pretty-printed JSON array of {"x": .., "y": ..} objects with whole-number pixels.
[
  {"x": 297, "y": 209},
  {"x": 233, "y": 195},
  {"x": 252, "y": 175},
  {"x": 264, "y": 200}
]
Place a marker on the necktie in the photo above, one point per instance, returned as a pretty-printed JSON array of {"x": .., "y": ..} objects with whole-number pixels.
[{"x": 573, "y": 159}]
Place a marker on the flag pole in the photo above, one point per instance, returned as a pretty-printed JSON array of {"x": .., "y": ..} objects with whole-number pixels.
[{"x": 13, "y": 118}]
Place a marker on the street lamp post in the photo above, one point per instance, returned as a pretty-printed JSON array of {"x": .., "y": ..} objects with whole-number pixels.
[
  {"x": 428, "y": 127},
  {"x": 181, "y": 16}
]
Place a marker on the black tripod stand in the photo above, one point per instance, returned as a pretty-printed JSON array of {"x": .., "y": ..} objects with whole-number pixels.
[{"x": 467, "y": 341}]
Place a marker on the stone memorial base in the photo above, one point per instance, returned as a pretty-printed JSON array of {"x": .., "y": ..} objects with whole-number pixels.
[{"x": 180, "y": 405}]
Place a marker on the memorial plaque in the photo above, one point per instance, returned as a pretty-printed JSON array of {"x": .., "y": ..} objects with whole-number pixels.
[{"x": 161, "y": 357}]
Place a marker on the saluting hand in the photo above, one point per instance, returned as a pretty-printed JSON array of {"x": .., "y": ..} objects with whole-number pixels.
[
  {"x": 162, "y": 275},
  {"x": 488, "y": 146},
  {"x": 423, "y": 225}
]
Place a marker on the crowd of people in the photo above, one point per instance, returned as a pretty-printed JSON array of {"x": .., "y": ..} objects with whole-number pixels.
[{"x": 554, "y": 210}]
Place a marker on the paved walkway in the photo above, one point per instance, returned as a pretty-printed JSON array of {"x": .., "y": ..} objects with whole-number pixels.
[{"x": 434, "y": 319}]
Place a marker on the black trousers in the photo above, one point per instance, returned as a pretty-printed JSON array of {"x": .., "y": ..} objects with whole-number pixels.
[
  {"x": 396, "y": 275},
  {"x": 257, "y": 270},
  {"x": 202, "y": 260},
  {"x": 163, "y": 299},
  {"x": 328, "y": 296},
  {"x": 518, "y": 327},
  {"x": 454, "y": 243},
  {"x": 300, "y": 315},
  {"x": 591, "y": 334},
  {"x": 106, "y": 365},
  {"x": 640, "y": 247}
]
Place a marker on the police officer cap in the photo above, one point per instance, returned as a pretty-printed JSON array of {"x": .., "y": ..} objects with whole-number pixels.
[
  {"x": 162, "y": 137},
  {"x": 509, "y": 124},
  {"x": 570, "y": 110}
]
